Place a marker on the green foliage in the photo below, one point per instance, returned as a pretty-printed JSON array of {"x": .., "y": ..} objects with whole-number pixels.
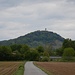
[
  {"x": 15, "y": 47},
  {"x": 24, "y": 52},
  {"x": 68, "y": 53},
  {"x": 32, "y": 54},
  {"x": 16, "y": 56},
  {"x": 46, "y": 54},
  {"x": 45, "y": 59},
  {"x": 24, "y": 49},
  {"x": 68, "y": 43},
  {"x": 40, "y": 49},
  {"x": 35, "y": 39},
  {"x": 5, "y": 53},
  {"x": 20, "y": 70},
  {"x": 49, "y": 49},
  {"x": 59, "y": 52}
]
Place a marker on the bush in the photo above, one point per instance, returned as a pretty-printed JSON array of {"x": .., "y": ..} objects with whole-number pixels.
[
  {"x": 45, "y": 58},
  {"x": 68, "y": 54}
]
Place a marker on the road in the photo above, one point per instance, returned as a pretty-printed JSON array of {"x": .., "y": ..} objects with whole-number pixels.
[{"x": 31, "y": 69}]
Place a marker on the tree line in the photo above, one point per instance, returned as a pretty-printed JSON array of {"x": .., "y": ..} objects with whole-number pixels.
[
  {"x": 20, "y": 52},
  {"x": 67, "y": 51},
  {"x": 24, "y": 52}
]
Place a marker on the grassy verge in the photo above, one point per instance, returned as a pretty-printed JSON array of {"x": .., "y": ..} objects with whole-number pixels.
[
  {"x": 20, "y": 70},
  {"x": 47, "y": 72}
]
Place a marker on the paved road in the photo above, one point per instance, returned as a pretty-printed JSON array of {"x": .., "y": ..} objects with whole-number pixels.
[{"x": 31, "y": 69}]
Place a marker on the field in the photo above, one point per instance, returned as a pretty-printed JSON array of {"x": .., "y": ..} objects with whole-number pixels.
[
  {"x": 58, "y": 68},
  {"x": 8, "y": 68}
]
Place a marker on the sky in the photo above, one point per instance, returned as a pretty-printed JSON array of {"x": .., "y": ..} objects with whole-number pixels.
[{"x": 19, "y": 17}]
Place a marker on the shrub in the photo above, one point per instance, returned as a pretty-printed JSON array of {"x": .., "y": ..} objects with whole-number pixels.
[
  {"x": 45, "y": 58},
  {"x": 68, "y": 53}
]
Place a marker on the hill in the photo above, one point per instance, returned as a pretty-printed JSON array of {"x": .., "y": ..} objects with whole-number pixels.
[{"x": 37, "y": 38}]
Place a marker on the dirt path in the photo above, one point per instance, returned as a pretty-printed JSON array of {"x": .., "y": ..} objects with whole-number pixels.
[{"x": 31, "y": 69}]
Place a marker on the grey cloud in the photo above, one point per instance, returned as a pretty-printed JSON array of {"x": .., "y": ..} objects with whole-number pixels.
[
  {"x": 73, "y": 1},
  {"x": 9, "y": 3},
  {"x": 24, "y": 16}
]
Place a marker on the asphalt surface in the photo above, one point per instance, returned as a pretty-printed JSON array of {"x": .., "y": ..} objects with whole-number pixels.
[{"x": 31, "y": 69}]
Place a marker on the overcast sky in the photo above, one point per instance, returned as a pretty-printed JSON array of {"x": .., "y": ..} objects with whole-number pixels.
[{"x": 19, "y": 17}]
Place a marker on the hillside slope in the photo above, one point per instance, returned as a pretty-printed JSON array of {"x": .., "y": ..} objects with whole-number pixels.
[{"x": 37, "y": 38}]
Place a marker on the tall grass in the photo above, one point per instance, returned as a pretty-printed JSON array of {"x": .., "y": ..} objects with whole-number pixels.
[{"x": 20, "y": 70}]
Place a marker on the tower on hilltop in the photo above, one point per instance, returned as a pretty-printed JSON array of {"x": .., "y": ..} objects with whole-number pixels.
[{"x": 45, "y": 29}]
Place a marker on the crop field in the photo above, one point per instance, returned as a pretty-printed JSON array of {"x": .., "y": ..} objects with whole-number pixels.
[
  {"x": 58, "y": 68},
  {"x": 8, "y": 68}
]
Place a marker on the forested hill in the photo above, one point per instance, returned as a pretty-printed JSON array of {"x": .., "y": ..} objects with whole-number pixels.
[{"x": 37, "y": 38}]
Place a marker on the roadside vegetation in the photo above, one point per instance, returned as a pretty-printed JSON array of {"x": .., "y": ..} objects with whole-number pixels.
[
  {"x": 11, "y": 68},
  {"x": 20, "y": 70}
]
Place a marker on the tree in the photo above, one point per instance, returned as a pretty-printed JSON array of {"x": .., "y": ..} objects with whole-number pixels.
[
  {"x": 15, "y": 47},
  {"x": 49, "y": 49},
  {"x": 68, "y": 53},
  {"x": 68, "y": 43},
  {"x": 24, "y": 49},
  {"x": 40, "y": 49},
  {"x": 16, "y": 56},
  {"x": 45, "y": 59},
  {"x": 32, "y": 54},
  {"x": 5, "y": 53},
  {"x": 59, "y": 52},
  {"x": 46, "y": 54}
]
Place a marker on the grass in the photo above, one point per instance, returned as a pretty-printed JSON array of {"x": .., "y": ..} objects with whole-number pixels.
[
  {"x": 20, "y": 70},
  {"x": 47, "y": 72}
]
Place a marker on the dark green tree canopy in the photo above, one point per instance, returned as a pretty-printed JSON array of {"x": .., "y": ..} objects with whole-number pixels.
[
  {"x": 40, "y": 49},
  {"x": 68, "y": 43},
  {"x": 37, "y": 38},
  {"x": 5, "y": 53}
]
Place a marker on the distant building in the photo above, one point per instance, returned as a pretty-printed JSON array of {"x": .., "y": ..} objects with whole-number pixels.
[{"x": 53, "y": 58}]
